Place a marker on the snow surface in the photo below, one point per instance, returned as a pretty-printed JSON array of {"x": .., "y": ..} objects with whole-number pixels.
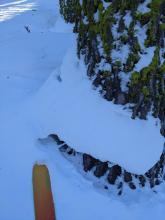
[
  {"x": 145, "y": 59},
  {"x": 90, "y": 124},
  {"x": 128, "y": 19},
  {"x": 34, "y": 99},
  {"x": 143, "y": 7}
]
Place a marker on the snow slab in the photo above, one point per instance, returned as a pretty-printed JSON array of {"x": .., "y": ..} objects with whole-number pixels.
[{"x": 90, "y": 124}]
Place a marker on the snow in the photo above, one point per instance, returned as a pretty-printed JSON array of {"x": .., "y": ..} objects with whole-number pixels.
[
  {"x": 92, "y": 125},
  {"x": 8, "y": 10},
  {"x": 141, "y": 34},
  {"x": 145, "y": 59},
  {"x": 121, "y": 54},
  {"x": 33, "y": 101},
  {"x": 142, "y": 8},
  {"x": 128, "y": 19},
  {"x": 106, "y": 4},
  {"x": 147, "y": 53}
]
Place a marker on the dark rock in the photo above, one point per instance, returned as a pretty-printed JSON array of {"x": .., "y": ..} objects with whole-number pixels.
[
  {"x": 120, "y": 192},
  {"x": 120, "y": 186},
  {"x": 101, "y": 169},
  {"x": 155, "y": 172},
  {"x": 157, "y": 182},
  {"x": 148, "y": 174},
  {"x": 27, "y": 29},
  {"x": 70, "y": 151},
  {"x": 89, "y": 162},
  {"x": 105, "y": 187},
  {"x": 127, "y": 177},
  {"x": 56, "y": 139},
  {"x": 64, "y": 148},
  {"x": 114, "y": 172},
  {"x": 142, "y": 180},
  {"x": 152, "y": 182},
  {"x": 132, "y": 185}
]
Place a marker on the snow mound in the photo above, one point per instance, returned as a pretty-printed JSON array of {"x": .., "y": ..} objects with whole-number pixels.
[{"x": 90, "y": 124}]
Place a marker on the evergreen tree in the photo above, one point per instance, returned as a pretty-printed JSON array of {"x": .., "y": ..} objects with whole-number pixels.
[
  {"x": 104, "y": 28},
  {"x": 95, "y": 21}
]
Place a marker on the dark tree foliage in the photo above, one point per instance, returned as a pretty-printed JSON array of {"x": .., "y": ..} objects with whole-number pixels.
[{"x": 94, "y": 23}]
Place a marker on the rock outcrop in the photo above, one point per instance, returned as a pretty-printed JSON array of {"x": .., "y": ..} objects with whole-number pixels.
[{"x": 114, "y": 173}]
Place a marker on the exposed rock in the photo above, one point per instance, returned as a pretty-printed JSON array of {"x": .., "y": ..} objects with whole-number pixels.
[
  {"x": 156, "y": 172},
  {"x": 105, "y": 187},
  {"x": 114, "y": 172},
  {"x": 56, "y": 139},
  {"x": 127, "y": 177},
  {"x": 101, "y": 169},
  {"x": 71, "y": 151},
  {"x": 154, "y": 176},
  {"x": 157, "y": 182},
  {"x": 152, "y": 182},
  {"x": 142, "y": 180},
  {"x": 120, "y": 186},
  {"x": 120, "y": 192},
  {"x": 64, "y": 148},
  {"x": 89, "y": 162},
  {"x": 132, "y": 185}
]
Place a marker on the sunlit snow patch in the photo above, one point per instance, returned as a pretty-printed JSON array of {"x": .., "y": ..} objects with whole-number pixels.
[{"x": 12, "y": 9}]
